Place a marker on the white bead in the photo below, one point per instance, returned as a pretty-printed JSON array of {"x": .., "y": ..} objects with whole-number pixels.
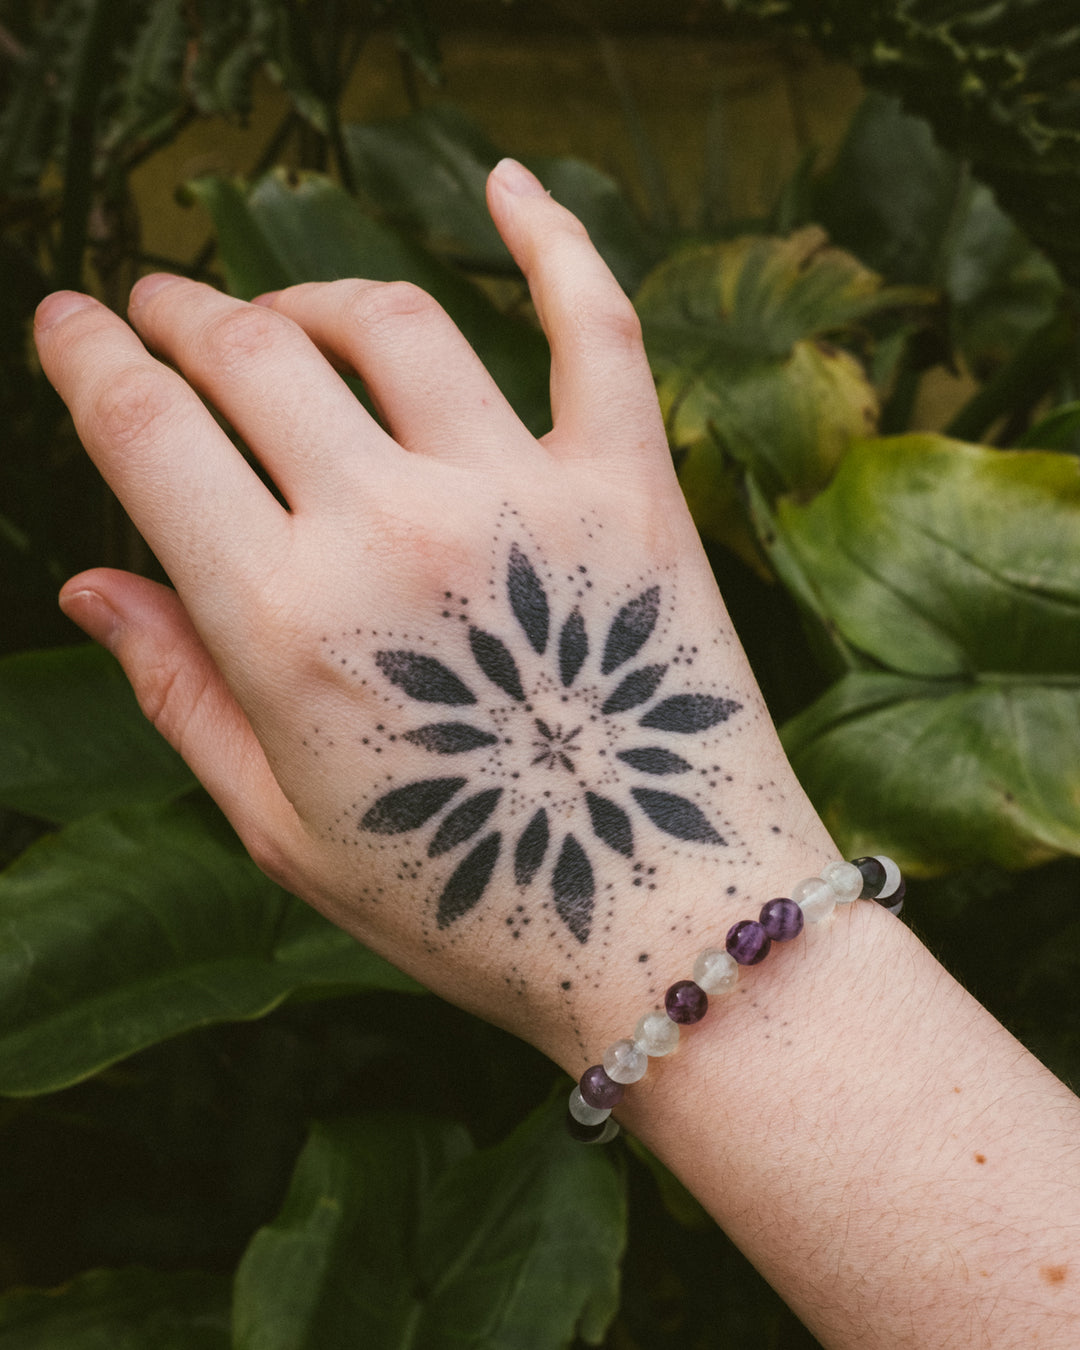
[
  {"x": 656, "y": 1033},
  {"x": 583, "y": 1112},
  {"x": 624, "y": 1062},
  {"x": 610, "y": 1130},
  {"x": 816, "y": 899},
  {"x": 716, "y": 971},
  {"x": 845, "y": 881},
  {"x": 892, "y": 877}
]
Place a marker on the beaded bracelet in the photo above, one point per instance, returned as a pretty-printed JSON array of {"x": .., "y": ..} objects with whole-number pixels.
[{"x": 716, "y": 971}]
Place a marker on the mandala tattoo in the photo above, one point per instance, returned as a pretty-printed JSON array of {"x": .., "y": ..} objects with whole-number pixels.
[{"x": 569, "y": 751}]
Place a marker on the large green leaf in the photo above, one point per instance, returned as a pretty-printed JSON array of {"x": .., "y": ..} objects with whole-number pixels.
[
  {"x": 288, "y": 229},
  {"x": 396, "y": 1234},
  {"x": 74, "y": 740},
  {"x": 910, "y": 210},
  {"x": 936, "y": 558},
  {"x": 940, "y": 774},
  {"x": 427, "y": 173},
  {"x": 124, "y": 929},
  {"x": 996, "y": 81},
  {"x": 120, "y": 1310},
  {"x": 736, "y": 334},
  {"x": 957, "y": 568}
]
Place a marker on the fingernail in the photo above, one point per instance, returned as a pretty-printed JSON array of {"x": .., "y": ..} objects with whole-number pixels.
[
  {"x": 58, "y": 306},
  {"x": 145, "y": 287},
  {"x": 267, "y": 298},
  {"x": 96, "y": 618},
  {"x": 517, "y": 179}
]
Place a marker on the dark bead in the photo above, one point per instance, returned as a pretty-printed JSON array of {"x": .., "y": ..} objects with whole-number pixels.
[
  {"x": 894, "y": 903},
  {"x": 598, "y": 1090},
  {"x": 748, "y": 942},
  {"x": 584, "y": 1134},
  {"x": 873, "y": 875},
  {"x": 686, "y": 1002},
  {"x": 782, "y": 919}
]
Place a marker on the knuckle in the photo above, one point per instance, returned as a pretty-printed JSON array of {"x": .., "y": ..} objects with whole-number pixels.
[
  {"x": 270, "y": 856},
  {"x": 170, "y": 694},
  {"x": 130, "y": 405},
  {"x": 378, "y": 304},
  {"x": 236, "y": 336},
  {"x": 617, "y": 320}
]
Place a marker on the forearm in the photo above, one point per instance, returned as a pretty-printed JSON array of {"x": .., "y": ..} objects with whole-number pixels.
[{"x": 894, "y": 1162}]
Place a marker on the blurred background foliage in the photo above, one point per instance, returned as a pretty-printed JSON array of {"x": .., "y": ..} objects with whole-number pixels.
[{"x": 849, "y": 227}]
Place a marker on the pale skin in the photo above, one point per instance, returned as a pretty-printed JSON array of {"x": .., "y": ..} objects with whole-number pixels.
[{"x": 902, "y": 1171}]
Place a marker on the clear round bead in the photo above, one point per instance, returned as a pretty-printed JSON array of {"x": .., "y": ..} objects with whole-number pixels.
[
  {"x": 815, "y": 897},
  {"x": 624, "y": 1062},
  {"x": 610, "y": 1130},
  {"x": 845, "y": 880},
  {"x": 892, "y": 877},
  {"x": 716, "y": 971},
  {"x": 656, "y": 1033},
  {"x": 583, "y": 1112}
]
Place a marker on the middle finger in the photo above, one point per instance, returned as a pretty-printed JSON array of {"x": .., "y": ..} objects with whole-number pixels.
[{"x": 259, "y": 369}]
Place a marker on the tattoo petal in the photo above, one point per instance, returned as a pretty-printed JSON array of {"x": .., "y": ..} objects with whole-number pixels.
[
  {"x": 638, "y": 686},
  {"x": 631, "y": 629},
  {"x": 468, "y": 881},
  {"x": 573, "y": 648},
  {"x": 528, "y": 599},
  {"x": 493, "y": 657},
  {"x": 689, "y": 712},
  {"x": 610, "y": 824},
  {"x": 423, "y": 678},
  {"x": 463, "y": 821},
  {"x": 654, "y": 759},
  {"x": 449, "y": 738},
  {"x": 676, "y": 816},
  {"x": 531, "y": 848},
  {"x": 407, "y": 808},
  {"x": 573, "y": 888}
]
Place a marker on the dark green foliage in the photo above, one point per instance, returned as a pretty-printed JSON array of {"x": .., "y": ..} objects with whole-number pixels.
[
  {"x": 996, "y": 81},
  {"x": 246, "y": 1128}
]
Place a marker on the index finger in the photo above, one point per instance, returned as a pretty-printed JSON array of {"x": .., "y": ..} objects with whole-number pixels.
[
  {"x": 191, "y": 494},
  {"x": 603, "y": 399}
]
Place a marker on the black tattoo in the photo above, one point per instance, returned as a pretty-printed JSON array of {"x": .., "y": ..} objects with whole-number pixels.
[{"x": 544, "y": 762}]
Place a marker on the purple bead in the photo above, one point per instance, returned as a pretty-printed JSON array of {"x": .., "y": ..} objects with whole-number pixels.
[
  {"x": 584, "y": 1134},
  {"x": 873, "y": 875},
  {"x": 598, "y": 1090},
  {"x": 686, "y": 1002},
  {"x": 782, "y": 919},
  {"x": 748, "y": 942}
]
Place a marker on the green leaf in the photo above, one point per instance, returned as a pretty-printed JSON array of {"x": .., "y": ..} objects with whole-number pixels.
[
  {"x": 910, "y": 210},
  {"x": 1058, "y": 430},
  {"x": 996, "y": 81},
  {"x": 736, "y": 338},
  {"x": 940, "y": 774},
  {"x": 124, "y": 929},
  {"x": 149, "y": 100},
  {"x": 223, "y": 59},
  {"x": 292, "y": 228},
  {"x": 74, "y": 740},
  {"x": 940, "y": 559},
  {"x": 395, "y": 1233},
  {"x": 427, "y": 173},
  {"x": 120, "y": 1310},
  {"x": 958, "y": 569}
]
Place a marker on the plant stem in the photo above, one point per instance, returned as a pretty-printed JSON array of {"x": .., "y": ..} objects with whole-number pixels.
[
  {"x": 90, "y": 77},
  {"x": 1021, "y": 382}
]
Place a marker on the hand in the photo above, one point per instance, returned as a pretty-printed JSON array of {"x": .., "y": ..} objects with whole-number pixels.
[{"x": 472, "y": 695}]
